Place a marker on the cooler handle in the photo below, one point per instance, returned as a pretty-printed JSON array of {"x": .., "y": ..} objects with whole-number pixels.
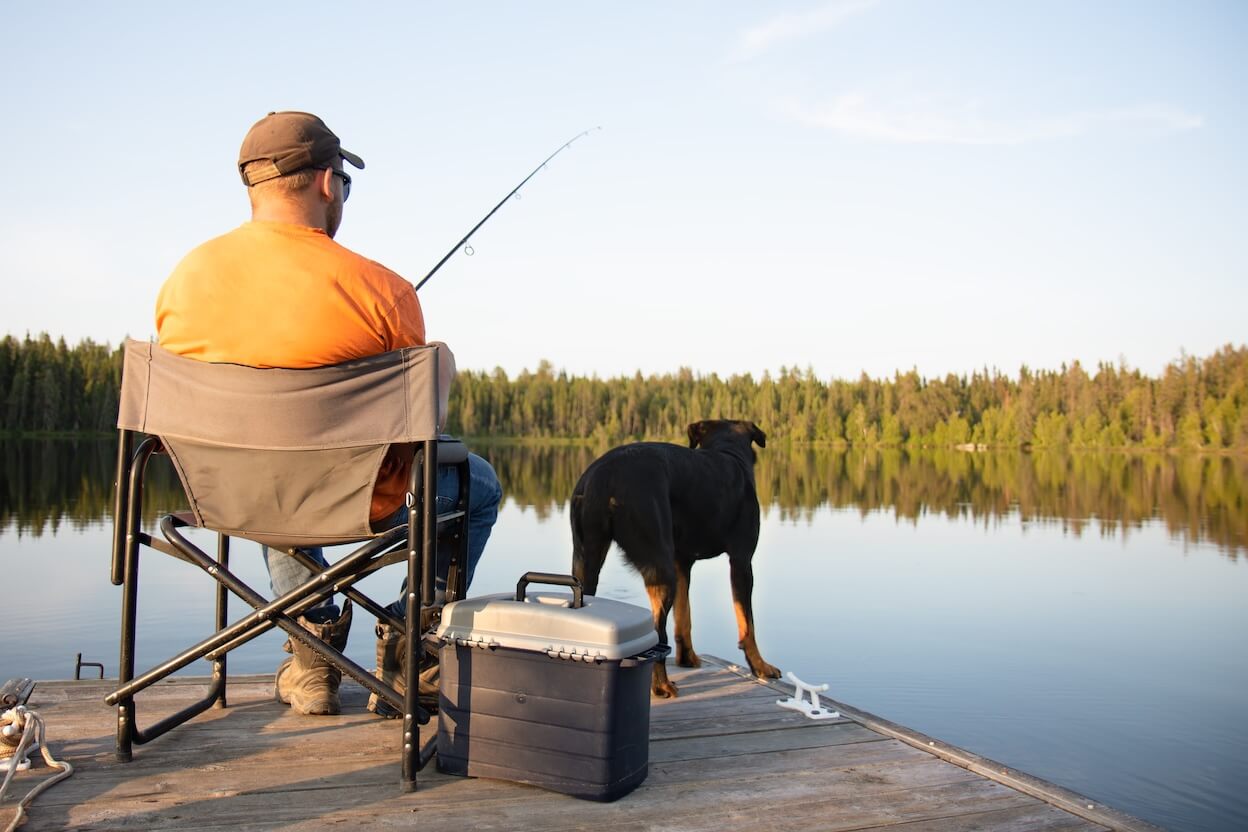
[
  {"x": 657, "y": 653},
  {"x": 578, "y": 599}
]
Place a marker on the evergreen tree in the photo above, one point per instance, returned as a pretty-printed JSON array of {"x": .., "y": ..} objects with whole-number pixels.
[{"x": 1195, "y": 404}]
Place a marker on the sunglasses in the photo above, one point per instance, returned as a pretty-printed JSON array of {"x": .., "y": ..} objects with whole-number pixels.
[{"x": 346, "y": 183}]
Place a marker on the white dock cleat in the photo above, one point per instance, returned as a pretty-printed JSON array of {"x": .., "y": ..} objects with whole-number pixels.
[{"x": 812, "y": 708}]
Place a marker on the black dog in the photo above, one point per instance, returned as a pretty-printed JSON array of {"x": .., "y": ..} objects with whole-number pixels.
[{"x": 668, "y": 506}]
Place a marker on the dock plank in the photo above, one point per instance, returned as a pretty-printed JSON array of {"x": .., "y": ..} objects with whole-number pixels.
[{"x": 723, "y": 757}]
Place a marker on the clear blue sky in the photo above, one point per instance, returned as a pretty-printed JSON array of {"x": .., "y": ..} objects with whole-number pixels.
[{"x": 851, "y": 185}]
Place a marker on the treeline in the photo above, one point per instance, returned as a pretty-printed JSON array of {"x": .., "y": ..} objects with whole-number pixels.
[
  {"x": 49, "y": 387},
  {"x": 1195, "y": 404}
]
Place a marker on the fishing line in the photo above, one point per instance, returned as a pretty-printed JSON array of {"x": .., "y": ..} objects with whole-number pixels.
[{"x": 464, "y": 242}]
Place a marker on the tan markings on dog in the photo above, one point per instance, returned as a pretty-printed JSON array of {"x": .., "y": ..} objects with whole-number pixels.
[
  {"x": 661, "y": 685},
  {"x": 656, "y": 601},
  {"x": 612, "y": 503},
  {"x": 745, "y": 631},
  {"x": 685, "y": 657},
  {"x": 743, "y": 624}
]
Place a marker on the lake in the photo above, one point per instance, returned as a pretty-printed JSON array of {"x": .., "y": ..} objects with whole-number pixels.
[{"x": 1081, "y": 617}]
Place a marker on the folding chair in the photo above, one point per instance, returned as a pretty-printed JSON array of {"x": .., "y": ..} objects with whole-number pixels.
[{"x": 287, "y": 458}]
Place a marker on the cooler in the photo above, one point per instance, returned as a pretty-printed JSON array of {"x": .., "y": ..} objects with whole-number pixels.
[{"x": 547, "y": 688}]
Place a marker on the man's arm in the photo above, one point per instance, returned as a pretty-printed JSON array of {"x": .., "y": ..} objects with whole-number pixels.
[
  {"x": 446, "y": 375},
  {"x": 406, "y": 323}
]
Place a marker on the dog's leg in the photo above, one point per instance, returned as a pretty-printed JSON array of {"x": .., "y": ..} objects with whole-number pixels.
[
  {"x": 661, "y": 596},
  {"x": 742, "y": 597},
  {"x": 685, "y": 657}
]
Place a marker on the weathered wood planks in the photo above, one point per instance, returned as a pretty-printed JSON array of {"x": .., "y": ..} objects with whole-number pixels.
[{"x": 723, "y": 757}]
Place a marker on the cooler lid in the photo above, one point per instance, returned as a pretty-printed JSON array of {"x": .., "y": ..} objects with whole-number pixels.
[{"x": 546, "y": 622}]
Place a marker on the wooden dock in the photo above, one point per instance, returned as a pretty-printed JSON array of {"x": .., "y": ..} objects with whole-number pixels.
[{"x": 723, "y": 757}]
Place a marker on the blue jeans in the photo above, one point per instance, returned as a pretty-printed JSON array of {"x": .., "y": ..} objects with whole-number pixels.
[{"x": 484, "y": 496}]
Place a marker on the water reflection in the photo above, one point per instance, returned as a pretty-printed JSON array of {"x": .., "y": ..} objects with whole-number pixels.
[
  {"x": 50, "y": 482},
  {"x": 1200, "y": 498}
]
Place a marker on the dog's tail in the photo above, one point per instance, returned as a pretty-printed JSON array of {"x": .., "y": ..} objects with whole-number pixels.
[
  {"x": 579, "y": 506},
  {"x": 574, "y": 511},
  {"x": 591, "y": 537}
]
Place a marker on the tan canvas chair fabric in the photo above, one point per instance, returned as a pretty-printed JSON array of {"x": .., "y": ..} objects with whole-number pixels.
[{"x": 285, "y": 457}]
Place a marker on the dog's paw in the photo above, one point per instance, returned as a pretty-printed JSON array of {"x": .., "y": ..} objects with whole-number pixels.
[
  {"x": 763, "y": 670},
  {"x": 665, "y": 690},
  {"x": 688, "y": 658}
]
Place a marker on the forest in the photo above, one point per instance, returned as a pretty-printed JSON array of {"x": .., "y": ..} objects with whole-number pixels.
[{"x": 1196, "y": 403}]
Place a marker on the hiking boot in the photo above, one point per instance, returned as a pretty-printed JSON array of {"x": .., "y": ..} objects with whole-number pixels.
[
  {"x": 391, "y": 670},
  {"x": 306, "y": 681}
]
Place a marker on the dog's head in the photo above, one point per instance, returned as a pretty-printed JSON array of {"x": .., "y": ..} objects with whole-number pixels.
[{"x": 711, "y": 431}]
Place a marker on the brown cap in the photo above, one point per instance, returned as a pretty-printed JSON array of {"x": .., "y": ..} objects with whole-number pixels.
[{"x": 290, "y": 141}]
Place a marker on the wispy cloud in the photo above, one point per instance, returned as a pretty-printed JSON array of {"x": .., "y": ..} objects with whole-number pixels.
[
  {"x": 758, "y": 39},
  {"x": 856, "y": 114}
]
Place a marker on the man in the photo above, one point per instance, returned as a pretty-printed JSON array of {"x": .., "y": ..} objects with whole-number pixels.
[{"x": 279, "y": 292}]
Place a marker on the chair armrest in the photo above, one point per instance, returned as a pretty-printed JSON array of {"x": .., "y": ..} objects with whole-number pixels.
[{"x": 451, "y": 451}]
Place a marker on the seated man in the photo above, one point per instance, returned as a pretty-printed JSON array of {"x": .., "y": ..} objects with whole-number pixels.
[{"x": 279, "y": 292}]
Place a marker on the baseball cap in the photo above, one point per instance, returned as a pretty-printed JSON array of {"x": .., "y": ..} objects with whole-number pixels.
[{"x": 290, "y": 141}]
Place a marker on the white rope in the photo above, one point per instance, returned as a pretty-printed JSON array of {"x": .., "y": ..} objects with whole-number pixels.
[{"x": 31, "y": 726}]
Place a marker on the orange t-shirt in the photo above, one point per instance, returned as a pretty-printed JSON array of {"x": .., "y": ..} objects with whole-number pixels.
[{"x": 269, "y": 294}]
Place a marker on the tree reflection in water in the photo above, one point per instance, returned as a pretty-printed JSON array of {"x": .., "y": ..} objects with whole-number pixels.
[{"x": 1200, "y": 498}]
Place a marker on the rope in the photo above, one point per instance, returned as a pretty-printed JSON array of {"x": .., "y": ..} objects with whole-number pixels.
[{"x": 31, "y": 728}]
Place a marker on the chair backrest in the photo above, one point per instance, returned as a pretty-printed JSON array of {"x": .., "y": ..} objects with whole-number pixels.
[{"x": 287, "y": 457}]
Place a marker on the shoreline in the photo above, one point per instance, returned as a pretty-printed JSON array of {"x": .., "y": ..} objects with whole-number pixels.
[{"x": 812, "y": 444}]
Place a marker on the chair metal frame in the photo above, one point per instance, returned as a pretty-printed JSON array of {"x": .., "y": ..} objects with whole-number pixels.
[{"x": 416, "y": 542}]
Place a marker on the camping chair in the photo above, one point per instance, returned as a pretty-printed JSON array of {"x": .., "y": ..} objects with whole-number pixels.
[{"x": 286, "y": 458}]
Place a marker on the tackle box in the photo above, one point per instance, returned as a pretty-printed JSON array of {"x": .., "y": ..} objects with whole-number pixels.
[{"x": 547, "y": 688}]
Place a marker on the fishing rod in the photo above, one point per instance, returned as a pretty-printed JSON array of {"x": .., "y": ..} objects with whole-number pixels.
[{"x": 464, "y": 242}]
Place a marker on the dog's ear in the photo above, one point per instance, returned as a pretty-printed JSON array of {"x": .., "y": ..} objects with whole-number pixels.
[
  {"x": 697, "y": 432},
  {"x": 756, "y": 433}
]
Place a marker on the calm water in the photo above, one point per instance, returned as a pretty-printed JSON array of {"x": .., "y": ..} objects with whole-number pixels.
[{"x": 1082, "y": 618}]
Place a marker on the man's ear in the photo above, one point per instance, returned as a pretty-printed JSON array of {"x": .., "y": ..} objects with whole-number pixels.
[
  {"x": 756, "y": 433},
  {"x": 325, "y": 184},
  {"x": 696, "y": 432}
]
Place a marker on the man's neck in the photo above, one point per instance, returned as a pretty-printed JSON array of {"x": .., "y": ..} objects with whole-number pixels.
[{"x": 290, "y": 213}]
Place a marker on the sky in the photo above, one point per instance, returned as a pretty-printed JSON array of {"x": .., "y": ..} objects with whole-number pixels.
[{"x": 848, "y": 186}]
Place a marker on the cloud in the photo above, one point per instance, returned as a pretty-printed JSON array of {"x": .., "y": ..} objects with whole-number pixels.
[
  {"x": 856, "y": 114},
  {"x": 758, "y": 39}
]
